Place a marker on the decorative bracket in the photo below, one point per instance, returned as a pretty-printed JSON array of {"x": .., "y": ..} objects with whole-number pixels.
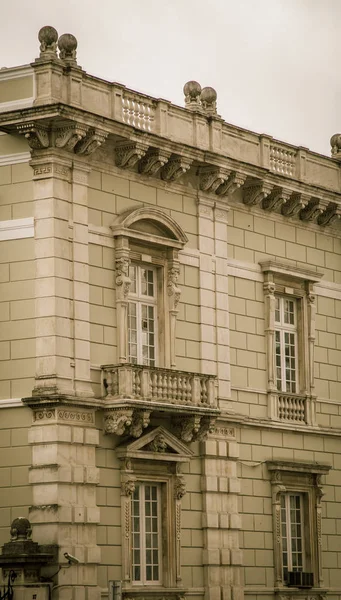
[
  {"x": 68, "y": 137},
  {"x": 297, "y": 202},
  {"x": 175, "y": 167},
  {"x": 276, "y": 199},
  {"x": 194, "y": 427},
  {"x": 313, "y": 210},
  {"x": 234, "y": 182},
  {"x": 331, "y": 214},
  {"x": 153, "y": 161},
  {"x": 123, "y": 281},
  {"x": 141, "y": 419},
  {"x": 129, "y": 153},
  {"x": 93, "y": 139},
  {"x": 36, "y": 135},
  {"x": 117, "y": 420},
  {"x": 210, "y": 178},
  {"x": 255, "y": 193}
]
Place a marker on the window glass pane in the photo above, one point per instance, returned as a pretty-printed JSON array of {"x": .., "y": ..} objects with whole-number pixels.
[
  {"x": 132, "y": 275},
  {"x": 291, "y": 530},
  {"x": 145, "y": 544},
  {"x": 277, "y": 310},
  {"x": 147, "y": 282}
]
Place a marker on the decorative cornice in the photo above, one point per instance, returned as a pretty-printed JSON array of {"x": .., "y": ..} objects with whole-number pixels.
[
  {"x": 128, "y": 153},
  {"x": 283, "y": 269}
]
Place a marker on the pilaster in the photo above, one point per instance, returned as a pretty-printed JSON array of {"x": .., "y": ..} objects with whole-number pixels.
[
  {"x": 64, "y": 476},
  {"x": 222, "y": 557},
  {"x": 81, "y": 300},
  {"x": 52, "y": 197}
]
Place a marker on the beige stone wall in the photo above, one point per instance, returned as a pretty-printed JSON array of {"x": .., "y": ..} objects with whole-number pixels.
[
  {"x": 15, "y": 460},
  {"x": 258, "y": 445},
  {"x": 17, "y": 272}
]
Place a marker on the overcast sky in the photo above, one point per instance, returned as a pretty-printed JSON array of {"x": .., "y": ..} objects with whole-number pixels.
[{"x": 274, "y": 63}]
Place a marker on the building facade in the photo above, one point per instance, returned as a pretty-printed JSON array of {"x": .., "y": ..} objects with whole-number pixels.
[{"x": 170, "y": 372}]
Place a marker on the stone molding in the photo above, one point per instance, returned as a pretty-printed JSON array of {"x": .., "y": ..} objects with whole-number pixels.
[{"x": 17, "y": 229}]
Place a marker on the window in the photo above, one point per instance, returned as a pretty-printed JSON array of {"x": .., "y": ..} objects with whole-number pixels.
[
  {"x": 292, "y": 528},
  {"x": 142, "y": 315},
  {"x": 290, "y": 310},
  {"x": 151, "y": 494},
  {"x": 286, "y": 345},
  {"x": 147, "y": 295},
  {"x": 146, "y": 533},
  {"x": 297, "y": 512}
]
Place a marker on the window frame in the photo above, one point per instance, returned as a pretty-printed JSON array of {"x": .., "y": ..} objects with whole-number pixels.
[
  {"x": 304, "y": 479},
  {"x": 154, "y": 458},
  {"x": 141, "y": 485},
  {"x": 149, "y": 235},
  {"x": 286, "y": 328},
  {"x": 140, "y": 300},
  {"x": 296, "y": 283}
]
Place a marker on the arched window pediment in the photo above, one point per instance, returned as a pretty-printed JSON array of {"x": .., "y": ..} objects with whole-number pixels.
[{"x": 151, "y": 225}]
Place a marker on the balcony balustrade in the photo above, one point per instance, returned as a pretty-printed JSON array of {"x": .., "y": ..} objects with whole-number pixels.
[{"x": 133, "y": 392}]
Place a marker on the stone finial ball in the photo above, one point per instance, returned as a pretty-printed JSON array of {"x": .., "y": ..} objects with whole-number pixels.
[
  {"x": 192, "y": 89},
  {"x": 208, "y": 95},
  {"x": 67, "y": 42},
  {"x": 21, "y": 528},
  {"x": 48, "y": 35}
]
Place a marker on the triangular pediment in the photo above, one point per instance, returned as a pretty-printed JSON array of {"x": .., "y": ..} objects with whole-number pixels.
[{"x": 157, "y": 444}]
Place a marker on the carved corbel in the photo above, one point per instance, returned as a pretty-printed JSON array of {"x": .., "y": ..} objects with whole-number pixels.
[
  {"x": 179, "y": 487},
  {"x": 118, "y": 420},
  {"x": 128, "y": 484},
  {"x": 122, "y": 280},
  {"x": 210, "y": 178},
  {"x": 186, "y": 427},
  {"x": 127, "y": 154},
  {"x": 295, "y": 204},
  {"x": 175, "y": 168},
  {"x": 313, "y": 210},
  {"x": 234, "y": 182},
  {"x": 173, "y": 290},
  {"x": 173, "y": 293},
  {"x": 93, "y": 140},
  {"x": 207, "y": 425},
  {"x": 36, "y": 135},
  {"x": 153, "y": 161},
  {"x": 276, "y": 199},
  {"x": 141, "y": 420},
  {"x": 331, "y": 214},
  {"x": 68, "y": 137},
  {"x": 255, "y": 193}
]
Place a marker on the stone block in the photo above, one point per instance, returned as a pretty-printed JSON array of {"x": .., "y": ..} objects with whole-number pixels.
[
  {"x": 236, "y": 557},
  {"x": 211, "y": 557},
  {"x": 233, "y": 450},
  {"x": 225, "y": 556}
]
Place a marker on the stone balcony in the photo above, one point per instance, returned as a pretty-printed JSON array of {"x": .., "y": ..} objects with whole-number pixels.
[
  {"x": 294, "y": 409},
  {"x": 133, "y": 392}
]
